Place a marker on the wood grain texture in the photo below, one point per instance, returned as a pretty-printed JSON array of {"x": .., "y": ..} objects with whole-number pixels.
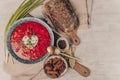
[{"x": 81, "y": 69}]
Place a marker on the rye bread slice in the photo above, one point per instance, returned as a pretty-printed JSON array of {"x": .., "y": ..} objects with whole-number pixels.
[{"x": 63, "y": 18}]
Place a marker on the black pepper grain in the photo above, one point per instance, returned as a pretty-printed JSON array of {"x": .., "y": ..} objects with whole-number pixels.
[{"x": 62, "y": 44}]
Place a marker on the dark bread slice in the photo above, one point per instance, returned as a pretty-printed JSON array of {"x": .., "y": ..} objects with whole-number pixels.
[{"x": 61, "y": 15}]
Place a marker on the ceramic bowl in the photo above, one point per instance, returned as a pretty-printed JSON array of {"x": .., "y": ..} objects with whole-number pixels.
[{"x": 17, "y": 23}]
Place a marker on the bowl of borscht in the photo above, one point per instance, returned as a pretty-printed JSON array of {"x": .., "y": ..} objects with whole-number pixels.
[{"x": 28, "y": 39}]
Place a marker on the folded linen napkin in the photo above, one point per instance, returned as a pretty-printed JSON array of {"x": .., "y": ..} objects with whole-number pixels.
[{"x": 83, "y": 9}]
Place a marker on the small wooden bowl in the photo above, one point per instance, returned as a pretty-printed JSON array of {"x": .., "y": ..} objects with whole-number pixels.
[{"x": 63, "y": 43}]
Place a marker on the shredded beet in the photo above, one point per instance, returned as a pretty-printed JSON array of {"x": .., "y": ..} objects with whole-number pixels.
[{"x": 29, "y": 29}]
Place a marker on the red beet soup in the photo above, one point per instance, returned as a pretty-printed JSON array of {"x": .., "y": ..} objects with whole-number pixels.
[{"x": 30, "y": 40}]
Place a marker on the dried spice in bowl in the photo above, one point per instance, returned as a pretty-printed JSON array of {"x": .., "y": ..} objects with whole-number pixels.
[
  {"x": 63, "y": 43},
  {"x": 55, "y": 66}
]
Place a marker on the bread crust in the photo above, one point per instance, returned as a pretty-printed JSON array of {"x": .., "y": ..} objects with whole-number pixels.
[{"x": 61, "y": 15}]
